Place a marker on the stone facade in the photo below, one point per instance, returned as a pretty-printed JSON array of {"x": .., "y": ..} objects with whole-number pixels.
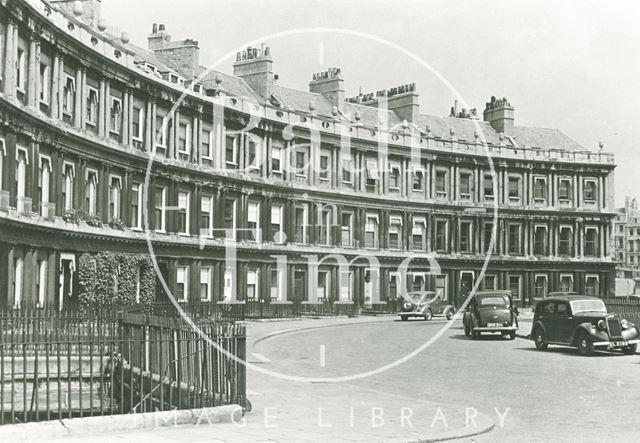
[{"x": 288, "y": 175}]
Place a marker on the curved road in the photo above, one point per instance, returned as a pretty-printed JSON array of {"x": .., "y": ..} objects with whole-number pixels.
[{"x": 529, "y": 395}]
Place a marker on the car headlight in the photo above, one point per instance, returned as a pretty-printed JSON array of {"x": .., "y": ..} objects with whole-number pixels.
[
  {"x": 625, "y": 324},
  {"x": 407, "y": 305},
  {"x": 602, "y": 325}
]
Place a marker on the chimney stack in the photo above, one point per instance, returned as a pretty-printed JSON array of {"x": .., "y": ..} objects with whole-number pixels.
[
  {"x": 330, "y": 85},
  {"x": 501, "y": 115},
  {"x": 255, "y": 66},
  {"x": 158, "y": 37},
  {"x": 184, "y": 53},
  {"x": 404, "y": 101}
]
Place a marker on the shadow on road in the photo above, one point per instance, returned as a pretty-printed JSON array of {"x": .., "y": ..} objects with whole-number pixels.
[
  {"x": 571, "y": 352},
  {"x": 481, "y": 338}
]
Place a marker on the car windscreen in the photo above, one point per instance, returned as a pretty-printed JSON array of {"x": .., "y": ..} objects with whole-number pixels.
[
  {"x": 493, "y": 300},
  {"x": 418, "y": 297},
  {"x": 588, "y": 306}
]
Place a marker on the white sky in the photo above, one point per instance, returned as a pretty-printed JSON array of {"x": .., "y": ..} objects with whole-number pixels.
[{"x": 572, "y": 65}]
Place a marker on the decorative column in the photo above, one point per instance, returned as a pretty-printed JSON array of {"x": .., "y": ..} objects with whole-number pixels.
[
  {"x": 105, "y": 107},
  {"x": 171, "y": 142},
  {"x": 100, "y": 110},
  {"x": 61, "y": 85},
  {"x": 83, "y": 90},
  {"x": 10, "y": 61},
  {"x": 55, "y": 82},
  {"x": 126, "y": 97},
  {"x": 152, "y": 125},
  {"x": 176, "y": 134},
  {"x": 150, "y": 135},
  {"x": 195, "y": 140},
  {"x": 32, "y": 92},
  {"x": 77, "y": 105}
]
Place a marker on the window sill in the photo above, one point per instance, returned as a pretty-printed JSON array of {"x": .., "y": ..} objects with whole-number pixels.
[{"x": 137, "y": 139}]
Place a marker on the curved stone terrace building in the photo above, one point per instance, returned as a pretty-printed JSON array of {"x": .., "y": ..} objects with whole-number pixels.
[{"x": 288, "y": 177}]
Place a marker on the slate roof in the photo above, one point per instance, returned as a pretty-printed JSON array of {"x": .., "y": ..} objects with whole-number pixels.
[
  {"x": 544, "y": 138},
  {"x": 440, "y": 127},
  {"x": 230, "y": 84},
  {"x": 464, "y": 128},
  {"x": 298, "y": 100}
]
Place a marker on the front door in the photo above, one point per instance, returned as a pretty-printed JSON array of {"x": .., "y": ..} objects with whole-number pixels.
[
  {"x": 441, "y": 287},
  {"x": 300, "y": 286},
  {"x": 66, "y": 297},
  {"x": 466, "y": 284}
]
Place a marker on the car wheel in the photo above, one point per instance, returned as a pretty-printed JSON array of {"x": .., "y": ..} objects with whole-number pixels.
[
  {"x": 631, "y": 349},
  {"x": 450, "y": 314},
  {"x": 428, "y": 315},
  {"x": 467, "y": 329},
  {"x": 540, "y": 340},
  {"x": 585, "y": 344},
  {"x": 475, "y": 335},
  {"x": 512, "y": 335},
  {"x": 404, "y": 318}
]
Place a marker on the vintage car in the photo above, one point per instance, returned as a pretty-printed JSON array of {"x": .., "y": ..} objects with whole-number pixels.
[
  {"x": 582, "y": 322},
  {"x": 491, "y": 311},
  {"x": 425, "y": 304}
]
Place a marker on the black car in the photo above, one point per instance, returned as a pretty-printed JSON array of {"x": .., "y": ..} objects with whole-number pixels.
[
  {"x": 582, "y": 322},
  {"x": 491, "y": 311}
]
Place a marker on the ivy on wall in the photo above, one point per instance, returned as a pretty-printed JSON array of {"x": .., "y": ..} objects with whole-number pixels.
[{"x": 109, "y": 279}]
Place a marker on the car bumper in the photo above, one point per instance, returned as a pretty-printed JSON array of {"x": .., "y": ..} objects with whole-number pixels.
[
  {"x": 616, "y": 343},
  {"x": 411, "y": 314},
  {"x": 502, "y": 329}
]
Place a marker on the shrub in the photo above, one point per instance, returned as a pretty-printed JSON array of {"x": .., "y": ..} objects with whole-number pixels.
[
  {"x": 116, "y": 223},
  {"x": 72, "y": 216},
  {"x": 109, "y": 279},
  {"x": 93, "y": 220}
]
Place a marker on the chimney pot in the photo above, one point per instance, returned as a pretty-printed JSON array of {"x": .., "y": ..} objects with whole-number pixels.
[
  {"x": 154, "y": 30},
  {"x": 161, "y": 27}
]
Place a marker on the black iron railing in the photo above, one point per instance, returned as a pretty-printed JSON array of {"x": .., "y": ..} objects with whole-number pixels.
[{"x": 56, "y": 365}]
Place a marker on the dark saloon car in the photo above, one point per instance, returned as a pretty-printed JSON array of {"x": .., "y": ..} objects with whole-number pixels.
[
  {"x": 425, "y": 304},
  {"x": 491, "y": 311},
  {"x": 581, "y": 322}
]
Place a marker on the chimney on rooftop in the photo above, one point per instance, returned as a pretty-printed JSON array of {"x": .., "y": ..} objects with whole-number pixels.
[
  {"x": 404, "y": 101},
  {"x": 501, "y": 115},
  {"x": 255, "y": 66},
  {"x": 330, "y": 85},
  {"x": 158, "y": 37},
  {"x": 185, "y": 54}
]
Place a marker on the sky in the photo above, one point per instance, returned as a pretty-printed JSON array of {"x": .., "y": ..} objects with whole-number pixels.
[{"x": 571, "y": 65}]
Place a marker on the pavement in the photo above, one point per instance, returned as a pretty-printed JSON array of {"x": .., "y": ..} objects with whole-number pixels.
[{"x": 310, "y": 411}]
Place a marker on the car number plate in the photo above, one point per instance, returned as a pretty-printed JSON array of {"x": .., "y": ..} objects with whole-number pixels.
[
  {"x": 620, "y": 343},
  {"x": 494, "y": 325}
]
